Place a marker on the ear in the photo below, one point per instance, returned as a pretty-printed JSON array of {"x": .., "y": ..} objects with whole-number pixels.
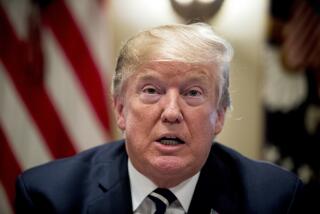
[
  {"x": 118, "y": 107},
  {"x": 220, "y": 120}
]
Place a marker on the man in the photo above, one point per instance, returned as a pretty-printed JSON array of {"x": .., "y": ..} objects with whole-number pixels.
[{"x": 170, "y": 95}]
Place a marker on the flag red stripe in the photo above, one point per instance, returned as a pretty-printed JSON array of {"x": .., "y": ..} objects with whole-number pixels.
[
  {"x": 9, "y": 167},
  {"x": 13, "y": 54},
  {"x": 77, "y": 51}
]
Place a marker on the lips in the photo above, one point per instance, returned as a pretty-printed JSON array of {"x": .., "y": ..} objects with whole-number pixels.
[{"x": 170, "y": 141}]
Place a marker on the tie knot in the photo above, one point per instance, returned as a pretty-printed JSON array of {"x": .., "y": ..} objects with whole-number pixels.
[{"x": 162, "y": 198}]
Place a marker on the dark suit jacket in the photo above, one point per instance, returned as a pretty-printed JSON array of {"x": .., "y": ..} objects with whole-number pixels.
[{"x": 96, "y": 181}]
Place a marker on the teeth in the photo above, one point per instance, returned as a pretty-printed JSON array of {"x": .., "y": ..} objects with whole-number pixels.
[{"x": 170, "y": 142}]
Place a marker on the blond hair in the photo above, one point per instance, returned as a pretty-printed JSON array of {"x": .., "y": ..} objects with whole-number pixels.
[{"x": 195, "y": 43}]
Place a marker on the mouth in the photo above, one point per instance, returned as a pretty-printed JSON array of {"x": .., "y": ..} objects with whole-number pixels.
[{"x": 170, "y": 141}]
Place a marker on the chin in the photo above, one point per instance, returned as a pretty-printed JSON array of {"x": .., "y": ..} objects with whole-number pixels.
[
  {"x": 168, "y": 172},
  {"x": 170, "y": 165}
]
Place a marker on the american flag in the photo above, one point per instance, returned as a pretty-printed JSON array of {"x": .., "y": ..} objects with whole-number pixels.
[{"x": 55, "y": 60}]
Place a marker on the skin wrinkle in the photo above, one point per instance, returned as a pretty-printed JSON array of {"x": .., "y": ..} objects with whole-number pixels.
[{"x": 200, "y": 68}]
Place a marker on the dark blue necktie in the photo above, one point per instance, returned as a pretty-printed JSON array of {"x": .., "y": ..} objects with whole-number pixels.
[{"x": 162, "y": 198}]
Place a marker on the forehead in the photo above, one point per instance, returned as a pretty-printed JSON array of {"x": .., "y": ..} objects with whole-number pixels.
[{"x": 172, "y": 70}]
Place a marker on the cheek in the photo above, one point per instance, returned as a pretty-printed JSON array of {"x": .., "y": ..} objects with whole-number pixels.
[
  {"x": 131, "y": 119},
  {"x": 203, "y": 125},
  {"x": 204, "y": 117},
  {"x": 139, "y": 118}
]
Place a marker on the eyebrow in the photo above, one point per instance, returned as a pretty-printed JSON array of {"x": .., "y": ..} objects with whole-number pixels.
[
  {"x": 199, "y": 78},
  {"x": 151, "y": 74},
  {"x": 147, "y": 77},
  {"x": 155, "y": 76}
]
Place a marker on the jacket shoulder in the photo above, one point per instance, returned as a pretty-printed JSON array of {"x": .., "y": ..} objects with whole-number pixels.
[
  {"x": 265, "y": 186},
  {"x": 68, "y": 183},
  {"x": 252, "y": 169}
]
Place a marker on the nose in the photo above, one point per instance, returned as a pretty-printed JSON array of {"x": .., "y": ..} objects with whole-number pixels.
[{"x": 171, "y": 111}]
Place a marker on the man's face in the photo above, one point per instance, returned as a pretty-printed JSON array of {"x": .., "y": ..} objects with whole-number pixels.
[{"x": 169, "y": 117}]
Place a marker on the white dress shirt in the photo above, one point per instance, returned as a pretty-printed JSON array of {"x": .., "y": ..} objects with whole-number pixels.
[{"x": 141, "y": 187}]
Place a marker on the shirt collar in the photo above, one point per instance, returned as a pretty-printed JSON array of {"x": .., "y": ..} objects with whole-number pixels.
[{"x": 141, "y": 187}]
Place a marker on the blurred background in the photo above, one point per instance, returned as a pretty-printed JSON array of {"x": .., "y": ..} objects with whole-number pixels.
[{"x": 57, "y": 58}]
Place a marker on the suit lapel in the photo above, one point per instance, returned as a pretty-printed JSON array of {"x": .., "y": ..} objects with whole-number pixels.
[
  {"x": 218, "y": 188},
  {"x": 114, "y": 188},
  {"x": 115, "y": 200}
]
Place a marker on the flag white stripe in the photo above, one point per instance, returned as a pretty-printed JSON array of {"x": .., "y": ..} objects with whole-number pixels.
[
  {"x": 17, "y": 12},
  {"x": 5, "y": 207},
  {"x": 69, "y": 98},
  {"x": 24, "y": 138},
  {"x": 96, "y": 35}
]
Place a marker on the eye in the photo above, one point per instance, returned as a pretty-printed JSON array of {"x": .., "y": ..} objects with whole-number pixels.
[
  {"x": 150, "y": 94},
  {"x": 194, "y": 96},
  {"x": 149, "y": 90},
  {"x": 193, "y": 92}
]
